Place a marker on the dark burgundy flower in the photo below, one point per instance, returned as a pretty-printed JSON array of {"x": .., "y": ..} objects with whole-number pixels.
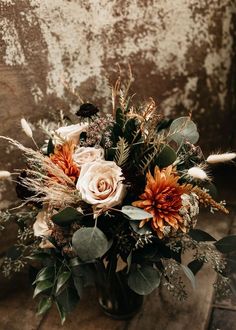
[{"x": 87, "y": 110}]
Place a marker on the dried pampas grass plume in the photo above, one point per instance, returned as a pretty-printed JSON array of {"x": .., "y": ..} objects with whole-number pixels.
[
  {"x": 4, "y": 175},
  {"x": 26, "y": 128},
  {"x": 197, "y": 173},
  {"x": 28, "y": 131},
  {"x": 221, "y": 158}
]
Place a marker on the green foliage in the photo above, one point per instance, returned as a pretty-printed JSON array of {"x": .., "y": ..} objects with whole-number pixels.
[
  {"x": 122, "y": 152},
  {"x": 66, "y": 216},
  {"x": 226, "y": 244},
  {"x": 66, "y": 301},
  {"x": 183, "y": 129},
  {"x": 42, "y": 286},
  {"x": 44, "y": 305},
  {"x": 135, "y": 213},
  {"x": 166, "y": 157},
  {"x": 120, "y": 118},
  {"x": 61, "y": 280},
  {"x": 143, "y": 279},
  {"x": 44, "y": 274},
  {"x": 90, "y": 243},
  {"x": 199, "y": 235}
]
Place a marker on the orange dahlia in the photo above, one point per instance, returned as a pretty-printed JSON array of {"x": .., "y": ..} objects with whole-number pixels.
[
  {"x": 162, "y": 198},
  {"x": 63, "y": 158}
]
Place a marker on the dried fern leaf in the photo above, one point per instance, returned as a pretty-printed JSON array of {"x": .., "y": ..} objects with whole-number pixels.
[{"x": 122, "y": 152}]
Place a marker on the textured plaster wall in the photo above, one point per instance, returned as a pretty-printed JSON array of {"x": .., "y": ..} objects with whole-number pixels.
[{"x": 182, "y": 53}]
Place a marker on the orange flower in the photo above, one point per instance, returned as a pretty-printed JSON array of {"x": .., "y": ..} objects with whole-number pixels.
[
  {"x": 62, "y": 157},
  {"x": 162, "y": 198}
]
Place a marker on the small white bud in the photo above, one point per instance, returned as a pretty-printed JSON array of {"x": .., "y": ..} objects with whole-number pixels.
[
  {"x": 5, "y": 175},
  {"x": 221, "y": 158},
  {"x": 197, "y": 173},
  {"x": 26, "y": 128}
]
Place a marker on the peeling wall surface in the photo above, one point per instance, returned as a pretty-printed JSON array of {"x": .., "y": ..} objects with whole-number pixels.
[{"x": 182, "y": 53}]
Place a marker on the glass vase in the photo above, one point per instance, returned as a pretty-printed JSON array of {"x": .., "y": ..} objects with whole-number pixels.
[{"x": 115, "y": 297}]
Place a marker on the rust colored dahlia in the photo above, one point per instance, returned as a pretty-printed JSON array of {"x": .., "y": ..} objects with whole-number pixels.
[
  {"x": 162, "y": 198},
  {"x": 62, "y": 157}
]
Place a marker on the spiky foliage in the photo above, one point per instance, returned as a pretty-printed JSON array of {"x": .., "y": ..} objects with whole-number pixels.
[{"x": 122, "y": 152}]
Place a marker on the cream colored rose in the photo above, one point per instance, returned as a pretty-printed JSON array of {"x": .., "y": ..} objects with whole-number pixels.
[
  {"x": 86, "y": 155},
  {"x": 40, "y": 226},
  {"x": 100, "y": 184},
  {"x": 72, "y": 132}
]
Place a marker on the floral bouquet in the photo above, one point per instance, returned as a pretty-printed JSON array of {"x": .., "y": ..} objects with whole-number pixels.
[{"x": 113, "y": 200}]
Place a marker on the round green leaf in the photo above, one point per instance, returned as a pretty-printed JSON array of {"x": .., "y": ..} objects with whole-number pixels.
[
  {"x": 183, "y": 129},
  {"x": 144, "y": 279},
  {"x": 90, "y": 243},
  {"x": 166, "y": 157}
]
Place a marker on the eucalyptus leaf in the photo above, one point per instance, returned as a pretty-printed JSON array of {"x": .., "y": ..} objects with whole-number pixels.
[
  {"x": 166, "y": 157},
  {"x": 183, "y": 129},
  {"x": 226, "y": 244},
  {"x": 62, "y": 279},
  {"x": 141, "y": 231},
  {"x": 190, "y": 275},
  {"x": 42, "y": 286},
  {"x": 143, "y": 279},
  {"x": 66, "y": 216},
  {"x": 44, "y": 305},
  {"x": 90, "y": 243},
  {"x": 135, "y": 213}
]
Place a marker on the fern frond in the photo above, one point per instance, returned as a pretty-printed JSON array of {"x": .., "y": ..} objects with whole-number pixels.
[
  {"x": 148, "y": 160},
  {"x": 122, "y": 152}
]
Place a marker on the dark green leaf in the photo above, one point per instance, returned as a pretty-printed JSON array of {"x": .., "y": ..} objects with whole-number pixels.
[
  {"x": 78, "y": 282},
  {"x": 62, "y": 279},
  {"x": 45, "y": 274},
  {"x": 200, "y": 235},
  {"x": 129, "y": 262},
  {"x": 67, "y": 299},
  {"x": 166, "y": 157},
  {"x": 44, "y": 305},
  {"x": 42, "y": 286},
  {"x": 50, "y": 148},
  {"x": 66, "y": 216},
  {"x": 130, "y": 130},
  {"x": 61, "y": 313},
  {"x": 39, "y": 256},
  {"x": 226, "y": 244},
  {"x": 144, "y": 279},
  {"x": 90, "y": 243},
  {"x": 195, "y": 266},
  {"x": 120, "y": 118}
]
